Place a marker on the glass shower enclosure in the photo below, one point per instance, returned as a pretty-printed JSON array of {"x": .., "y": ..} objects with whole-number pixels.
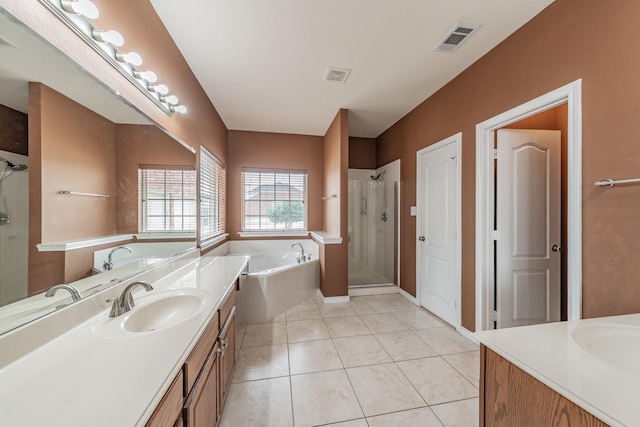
[{"x": 373, "y": 226}]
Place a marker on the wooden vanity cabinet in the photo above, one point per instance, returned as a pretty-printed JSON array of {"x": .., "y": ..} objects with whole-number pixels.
[
  {"x": 227, "y": 340},
  {"x": 197, "y": 395},
  {"x": 510, "y": 397},
  {"x": 202, "y": 405},
  {"x": 170, "y": 407}
]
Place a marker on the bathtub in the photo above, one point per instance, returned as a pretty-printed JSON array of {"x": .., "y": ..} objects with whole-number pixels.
[
  {"x": 275, "y": 281},
  {"x": 141, "y": 256}
]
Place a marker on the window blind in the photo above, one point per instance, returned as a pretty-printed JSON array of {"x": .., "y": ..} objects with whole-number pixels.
[
  {"x": 212, "y": 195},
  {"x": 167, "y": 199},
  {"x": 274, "y": 200}
]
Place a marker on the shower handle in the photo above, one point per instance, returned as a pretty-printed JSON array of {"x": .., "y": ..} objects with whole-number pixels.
[{"x": 421, "y": 238}]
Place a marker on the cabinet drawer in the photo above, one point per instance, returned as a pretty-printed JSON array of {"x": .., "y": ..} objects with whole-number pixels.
[
  {"x": 225, "y": 309},
  {"x": 196, "y": 359},
  {"x": 170, "y": 406}
]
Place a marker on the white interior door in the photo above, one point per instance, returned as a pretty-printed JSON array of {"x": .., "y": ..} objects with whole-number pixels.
[
  {"x": 438, "y": 278},
  {"x": 528, "y": 227}
]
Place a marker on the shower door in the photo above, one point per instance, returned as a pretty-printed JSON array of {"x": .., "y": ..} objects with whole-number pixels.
[{"x": 373, "y": 226}]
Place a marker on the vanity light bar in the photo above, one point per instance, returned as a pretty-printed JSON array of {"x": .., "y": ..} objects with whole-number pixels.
[{"x": 76, "y": 15}]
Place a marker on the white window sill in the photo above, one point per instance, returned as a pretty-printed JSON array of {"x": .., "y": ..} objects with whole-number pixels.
[
  {"x": 273, "y": 233},
  {"x": 79, "y": 244},
  {"x": 213, "y": 241},
  {"x": 166, "y": 235}
]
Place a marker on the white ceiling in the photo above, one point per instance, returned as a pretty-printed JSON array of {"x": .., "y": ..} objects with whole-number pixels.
[{"x": 262, "y": 62}]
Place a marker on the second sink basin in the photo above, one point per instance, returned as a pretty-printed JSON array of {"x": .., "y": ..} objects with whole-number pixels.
[{"x": 614, "y": 344}]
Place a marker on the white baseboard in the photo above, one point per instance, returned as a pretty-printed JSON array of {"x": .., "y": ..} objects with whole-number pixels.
[
  {"x": 372, "y": 290},
  {"x": 468, "y": 334},
  {"x": 333, "y": 300},
  {"x": 408, "y": 296}
]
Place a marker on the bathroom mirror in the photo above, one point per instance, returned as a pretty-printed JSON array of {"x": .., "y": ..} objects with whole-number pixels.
[{"x": 71, "y": 150}]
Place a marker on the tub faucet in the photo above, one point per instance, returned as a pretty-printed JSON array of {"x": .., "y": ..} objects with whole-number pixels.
[
  {"x": 302, "y": 257},
  {"x": 75, "y": 295},
  {"x": 124, "y": 302},
  {"x": 108, "y": 265}
]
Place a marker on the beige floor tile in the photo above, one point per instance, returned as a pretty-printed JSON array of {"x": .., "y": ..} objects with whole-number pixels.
[
  {"x": 354, "y": 423},
  {"x": 258, "y": 403},
  {"x": 396, "y": 302},
  {"x": 422, "y": 417},
  {"x": 336, "y": 310},
  {"x": 445, "y": 340},
  {"x": 468, "y": 364},
  {"x": 367, "y": 306},
  {"x": 383, "y": 388},
  {"x": 307, "y": 330},
  {"x": 313, "y": 356},
  {"x": 417, "y": 319},
  {"x": 348, "y": 326},
  {"x": 463, "y": 413},
  {"x": 382, "y": 322},
  {"x": 256, "y": 363},
  {"x": 279, "y": 318},
  {"x": 265, "y": 334},
  {"x": 304, "y": 312},
  {"x": 437, "y": 381},
  {"x": 323, "y": 398},
  {"x": 405, "y": 346},
  {"x": 361, "y": 351}
]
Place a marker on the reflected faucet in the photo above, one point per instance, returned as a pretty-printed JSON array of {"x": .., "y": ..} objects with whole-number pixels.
[
  {"x": 302, "y": 257},
  {"x": 124, "y": 302},
  {"x": 75, "y": 295},
  {"x": 108, "y": 265}
]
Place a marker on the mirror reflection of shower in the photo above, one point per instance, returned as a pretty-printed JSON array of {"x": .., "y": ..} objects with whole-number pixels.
[
  {"x": 14, "y": 226},
  {"x": 7, "y": 169},
  {"x": 373, "y": 226}
]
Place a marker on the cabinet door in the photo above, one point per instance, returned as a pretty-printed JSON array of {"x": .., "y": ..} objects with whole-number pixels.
[
  {"x": 227, "y": 342},
  {"x": 169, "y": 408},
  {"x": 201, "y": 408}
]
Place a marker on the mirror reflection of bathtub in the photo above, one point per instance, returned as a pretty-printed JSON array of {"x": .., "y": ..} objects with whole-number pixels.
[
  {"x": 276, "y": 281},
  {"x": 136, "y": 256}
]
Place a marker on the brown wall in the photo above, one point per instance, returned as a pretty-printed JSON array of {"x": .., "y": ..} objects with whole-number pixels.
[
  {"x": 334, "y": 260},
  {"x": 569, "y": 40},
  {"x": 13, "y": 131},
  {"x": 78, "y": 154},
  {"x": 362, "y": 153},
  {"x": 141, "y": 145},
  {"x": 277, "y": 151}
]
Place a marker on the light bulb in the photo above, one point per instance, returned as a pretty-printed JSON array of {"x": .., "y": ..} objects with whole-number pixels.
[
  {"x": 85, "y": 8},
  {"x": 129, "y": 58},
  {"x": 171, "y": 99},
  {"x": 161, "y": 89},
  {"x": 111, "y": 36},
  {"x": 178, "y": 109},
  {"x": 149, "y": 76}
]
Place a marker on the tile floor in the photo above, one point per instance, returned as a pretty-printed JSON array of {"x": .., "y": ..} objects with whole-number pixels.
[{"x": 375, "y": 361}]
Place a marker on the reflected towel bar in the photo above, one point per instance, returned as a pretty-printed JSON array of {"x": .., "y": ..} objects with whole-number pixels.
[
  {"x": 333, "y": 196},
  {"x": 78, "y": 193},
  {"x": 608, "y": 183}
]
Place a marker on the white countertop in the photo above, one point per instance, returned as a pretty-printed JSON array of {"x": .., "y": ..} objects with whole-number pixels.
[
  {"x": 550, "y": 354},
  {"x": 83, "y": 378}
]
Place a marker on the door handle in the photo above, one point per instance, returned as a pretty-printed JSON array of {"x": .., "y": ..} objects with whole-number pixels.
[
  {"x": 556, "y": 248},
  {"x": 421, "y": 238}
]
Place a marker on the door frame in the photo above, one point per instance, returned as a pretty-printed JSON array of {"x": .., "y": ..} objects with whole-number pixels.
[
  {"x": 457, "y": 140},
  {"x": 570, "y": 94}
]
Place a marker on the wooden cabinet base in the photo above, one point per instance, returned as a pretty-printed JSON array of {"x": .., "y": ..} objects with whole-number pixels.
[{"x": 512, "y": 398}]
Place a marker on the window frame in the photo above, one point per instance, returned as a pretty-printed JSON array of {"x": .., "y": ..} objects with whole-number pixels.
[{"x": 217, "y": 202}]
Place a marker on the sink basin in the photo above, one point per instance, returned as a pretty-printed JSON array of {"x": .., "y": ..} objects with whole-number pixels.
[
  {"x": 154, "y": 312},
  {"x": 614, "y": 344},
  {"x": 162, "y": 313}
]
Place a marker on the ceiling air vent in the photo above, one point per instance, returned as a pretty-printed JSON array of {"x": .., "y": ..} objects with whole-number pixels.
[
  {"x": 339, "y": 75},
  {"x": 458, "y": 35}
]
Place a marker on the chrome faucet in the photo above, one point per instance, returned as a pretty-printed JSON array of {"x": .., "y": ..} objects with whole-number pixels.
[
  {"x": 302, "y": 257},
  {"x": 124, "y": 302},
  {"x": 75, "y": 295},
  {"x": 108, "y": 265}
]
